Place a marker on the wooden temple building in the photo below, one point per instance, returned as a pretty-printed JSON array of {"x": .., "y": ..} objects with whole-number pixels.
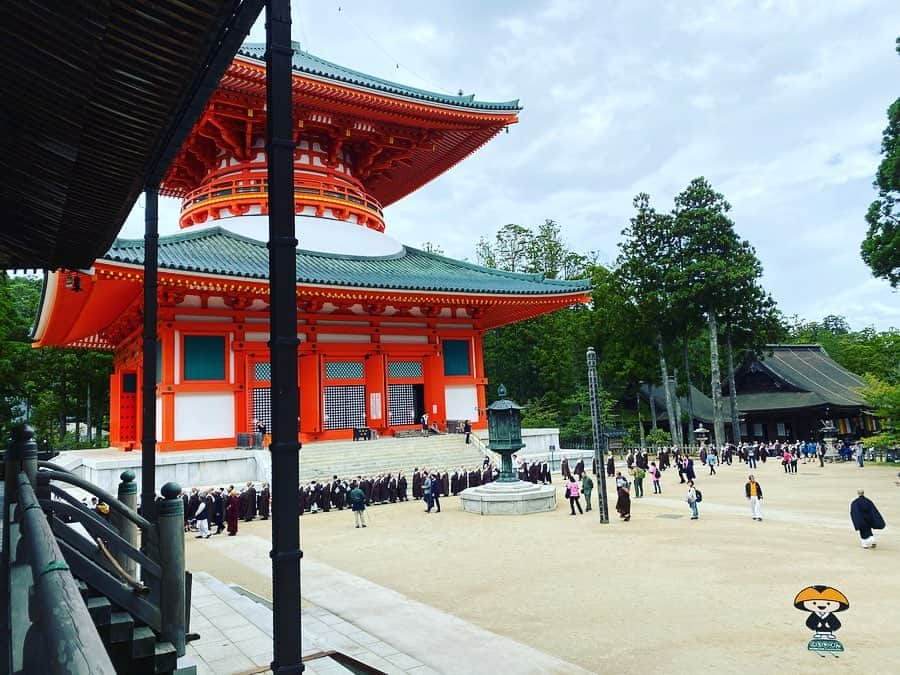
[
  {"x": 789, "y": 393},
  {"x": 794, "y": 391},
  {"x": 387, "y": 332}
]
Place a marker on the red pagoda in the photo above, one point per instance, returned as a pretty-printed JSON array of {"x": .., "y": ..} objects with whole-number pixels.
[{"x": 387, "y": 332}]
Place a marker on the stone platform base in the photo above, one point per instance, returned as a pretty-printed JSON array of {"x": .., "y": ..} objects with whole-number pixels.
[{"x": 508, "y": 499}]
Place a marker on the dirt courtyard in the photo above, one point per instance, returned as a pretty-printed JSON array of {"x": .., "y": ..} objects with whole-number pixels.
[{"x": 661, "y": 593}]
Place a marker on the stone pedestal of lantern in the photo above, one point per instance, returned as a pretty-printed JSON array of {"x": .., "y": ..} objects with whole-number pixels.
[{"x": 507, "y": 496}]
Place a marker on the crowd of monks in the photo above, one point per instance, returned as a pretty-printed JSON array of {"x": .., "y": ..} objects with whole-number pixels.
[
  {"x": 389, "y": 488},
  {"x": 221, "y": 505}
]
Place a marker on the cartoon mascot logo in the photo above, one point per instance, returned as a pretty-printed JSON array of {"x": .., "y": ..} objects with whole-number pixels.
[{"x": 822, "y": 603}]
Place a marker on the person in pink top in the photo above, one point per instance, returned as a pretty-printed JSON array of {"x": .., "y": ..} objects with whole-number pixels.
[
  {"x": 786, "y": 461},
  {"x": 573, "y": 492}
]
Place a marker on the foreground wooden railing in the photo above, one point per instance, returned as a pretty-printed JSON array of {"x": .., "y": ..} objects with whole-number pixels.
[{"x": 149, "y": 583}]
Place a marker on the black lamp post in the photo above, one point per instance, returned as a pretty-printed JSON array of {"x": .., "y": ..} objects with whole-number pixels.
[{"x": 505, "y": 433}]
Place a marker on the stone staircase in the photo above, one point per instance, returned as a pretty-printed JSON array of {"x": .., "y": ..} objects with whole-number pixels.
[
  {"x": 132, "y": 647},
  {"x": 349, "y": 459}
]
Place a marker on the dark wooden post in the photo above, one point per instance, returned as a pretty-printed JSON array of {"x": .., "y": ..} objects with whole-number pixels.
[
  {"x": 148, "y": 390},
  {"x": 127, "y": 494},
  {"x": 21, "y": 455},
  {"x": 283, "y": 343},
  {"x": 170, "y": 528}
]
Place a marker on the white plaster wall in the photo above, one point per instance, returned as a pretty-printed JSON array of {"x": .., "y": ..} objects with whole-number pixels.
[
  {"x": 461, "y": 402},
  {"x": 204, "y": 415},
  {"x": 327, "y": 235},
  {"x": 159, "y": 419},
  {"x": 405, "y": 339},
  {"x": 212, "y": 468},
  {"x": 343, "y": 337},
  {"x": 256, "y": 336}
]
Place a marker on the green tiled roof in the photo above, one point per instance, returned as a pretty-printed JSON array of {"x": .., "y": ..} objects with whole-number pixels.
[
  {"x": 217, "y": 251},
  {"x": 304, "y": 62},
  {"x": 810, "y": 369}
]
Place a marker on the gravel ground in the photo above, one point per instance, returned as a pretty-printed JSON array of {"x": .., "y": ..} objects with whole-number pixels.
[{"x": 661, "y": 593}]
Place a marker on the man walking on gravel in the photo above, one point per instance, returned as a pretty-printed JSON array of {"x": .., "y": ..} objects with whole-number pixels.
[{"x": 753, "y": 492}]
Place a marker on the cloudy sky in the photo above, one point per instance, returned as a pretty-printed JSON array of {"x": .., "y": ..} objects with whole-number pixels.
[{"x": 779, "y": 103}]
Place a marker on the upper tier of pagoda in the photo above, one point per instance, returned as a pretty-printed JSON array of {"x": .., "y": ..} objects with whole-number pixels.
[{"x": 361, "y": 142}]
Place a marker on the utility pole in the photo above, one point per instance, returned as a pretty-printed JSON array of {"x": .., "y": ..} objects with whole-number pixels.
[
  {"x": 597, "y": 427},
  {"x": 640, "y": 424}
]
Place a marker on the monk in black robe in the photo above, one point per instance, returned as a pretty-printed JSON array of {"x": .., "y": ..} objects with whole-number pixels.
[
  {"x": 401, "y": 487},
  {"x": 392, "y": 489},
  {"x": 610, "y": 467},
  {"x": 243, "y": 508},
  {"x": 534, "y": 472},
  {"x": 454, "y": 483},
  {"x": 463, "y": 479},
  {"x": 264, "y": 496},
  {"x": 251, "y": 502},
  {"x": 417, "y": 484},
  {"x": 338, "y": 493},
  {"x": 579, "y": 468},
  {"x": 445, "y": 484},
  {"x": 566, "y": 473},
  {"x": 326, "y": 497}
]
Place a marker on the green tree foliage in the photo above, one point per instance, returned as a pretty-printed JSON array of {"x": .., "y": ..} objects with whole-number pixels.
[
  {"x": 864, "y": 352},
  {"x": 881, "y": 247},
  {"x": 885, "y": 399},
  {"x": 48, "y": 387},
  {"x": 537, "y": 250}
]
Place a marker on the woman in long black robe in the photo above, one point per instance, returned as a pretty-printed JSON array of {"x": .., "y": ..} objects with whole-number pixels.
[{"x": 623, "y": 503}]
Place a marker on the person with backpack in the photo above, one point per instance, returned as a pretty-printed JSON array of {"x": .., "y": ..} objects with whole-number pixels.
[
  {"x": 694, "y": 496},
  {"x": 573, "y": 492},
  {"x": 639, "y": 474},
  {"x": 587, "y": 487},
  {"x": 654, "y": 474},
  {"x": 358, "y": 505}
]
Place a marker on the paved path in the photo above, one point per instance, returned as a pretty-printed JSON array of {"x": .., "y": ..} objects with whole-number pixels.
[{"x": 349, "y": 614}]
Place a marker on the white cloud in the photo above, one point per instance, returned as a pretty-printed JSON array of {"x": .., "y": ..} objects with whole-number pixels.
[{"x": 779, "y": 103}]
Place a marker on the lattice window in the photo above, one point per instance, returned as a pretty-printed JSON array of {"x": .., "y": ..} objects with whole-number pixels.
[
  {"x": 262, "y": 371},
  {"x": 345, "y": 407},
  {"x": 262, "y": 406},
  {"x": 404, "y": 369},
  {"x": 344, "y": 370},
  {"x": 401, "y": 404}
]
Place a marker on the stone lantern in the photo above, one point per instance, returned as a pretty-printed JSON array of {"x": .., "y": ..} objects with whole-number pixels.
[
  {"x": 507, "y": 495},
  {"x": 505, "y": 432}
]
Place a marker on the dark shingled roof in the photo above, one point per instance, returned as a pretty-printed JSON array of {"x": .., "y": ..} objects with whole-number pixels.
[
  {"x": 703, "y": 405},
  {"x": 97, "y": 99},
  {"x": 218, "y": 251},
  {"x": 304, "y": 62},
  {"x": 820, "y": 378}
]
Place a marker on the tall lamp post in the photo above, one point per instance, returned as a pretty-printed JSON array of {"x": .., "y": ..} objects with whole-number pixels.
[{"x": 597, "y": 428}]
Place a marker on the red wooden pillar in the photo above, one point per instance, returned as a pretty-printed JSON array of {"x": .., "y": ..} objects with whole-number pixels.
[
  {"x": 115, "y": 408},
  {"x": 166, "y": 388},
  {"x": 310, "y": 394},
  {"x": 241, "y": 383},
  {"x": 480, "y": 380},
  {"x": 435, "y": 392}
]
